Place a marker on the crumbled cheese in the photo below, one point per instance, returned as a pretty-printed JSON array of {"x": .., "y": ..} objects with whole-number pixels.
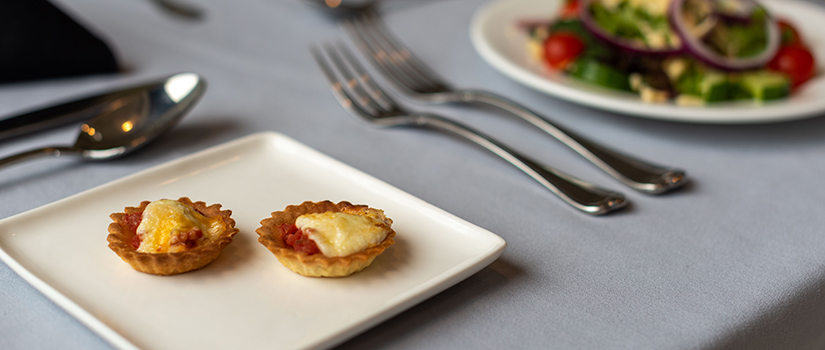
[
  {"x": 611, "y": 4},
  {"x": 675, "y": 67},
  {"x": 636, "y": 81},
  {"x": 651, "y": 95},
  {"x": 535, "y": 50},
  {"x": 689, "y": 101},
  {"x": 654, "y": 7}
]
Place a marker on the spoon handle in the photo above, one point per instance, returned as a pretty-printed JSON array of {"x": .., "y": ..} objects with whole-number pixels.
[{"x": 55, "y": 151}]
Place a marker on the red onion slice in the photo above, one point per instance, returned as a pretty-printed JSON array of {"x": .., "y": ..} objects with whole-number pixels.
[
  {"x": 627, "y": 45},
  {"x": 693, "y": 43}
]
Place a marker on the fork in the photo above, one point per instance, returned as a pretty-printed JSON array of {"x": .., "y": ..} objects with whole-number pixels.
[
  {"x": 358, "y": 93},
  {"x": 411, "y": 76}
]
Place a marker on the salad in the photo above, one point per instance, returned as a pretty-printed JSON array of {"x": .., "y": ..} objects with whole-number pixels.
[{"x": 691, "y": 52}]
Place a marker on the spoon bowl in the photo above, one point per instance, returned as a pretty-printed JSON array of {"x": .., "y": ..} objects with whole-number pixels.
[{"x": 129, "y": 121}]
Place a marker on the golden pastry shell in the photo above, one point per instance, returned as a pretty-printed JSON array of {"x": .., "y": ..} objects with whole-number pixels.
[
  {"x": 170, "y": 263},
  {"x": 317, "y": 265}
]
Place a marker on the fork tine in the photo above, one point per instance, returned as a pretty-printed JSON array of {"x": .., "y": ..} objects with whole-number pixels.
[
  {"x": 378, "y": 94},
  {"x": 361, "y": 96},
  {"x": 341, "y": 94},
  {"x": 390, "y": 54},
  {"x": 380, "y": 57},
  {"x": 420, "y": 69}
]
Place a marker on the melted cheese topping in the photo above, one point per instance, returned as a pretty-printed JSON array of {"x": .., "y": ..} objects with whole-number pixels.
[
  {"x": 342, "y": 234},
  {"x": 165, "y": 218}
]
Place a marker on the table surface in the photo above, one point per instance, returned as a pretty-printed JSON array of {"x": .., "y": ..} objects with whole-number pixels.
[{"x": 734, "y": 260}]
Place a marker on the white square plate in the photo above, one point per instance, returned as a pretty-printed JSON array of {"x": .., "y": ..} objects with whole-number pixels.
[{"x": 245, "y": 299}]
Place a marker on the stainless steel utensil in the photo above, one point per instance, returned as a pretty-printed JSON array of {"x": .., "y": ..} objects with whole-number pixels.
[
  {"x": 128, "y": 121},
  {"x": 76, "y": 110},
  {"x": 358, "y": 93},
  {"x": 410, "y": 75},
  {"x": 179, "y": 9}
]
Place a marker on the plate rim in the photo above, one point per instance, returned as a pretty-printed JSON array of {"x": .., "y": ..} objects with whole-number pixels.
[{"x": 744, "y": 113}]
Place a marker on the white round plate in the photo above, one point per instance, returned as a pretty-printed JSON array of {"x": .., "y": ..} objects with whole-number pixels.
[{"x": 499, "y": 41}]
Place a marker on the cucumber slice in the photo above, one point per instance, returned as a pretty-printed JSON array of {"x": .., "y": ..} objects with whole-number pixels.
[
  {"x": 707, "y": 85},
  {"x": 595, "y": 72},
  {"x": 715, "y": 87},
  {"x": 765, "y": 85}
]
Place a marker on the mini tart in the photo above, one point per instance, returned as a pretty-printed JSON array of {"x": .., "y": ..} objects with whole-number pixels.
[
  {"x": 121, "y": 235},
  {"x": 317, "y": 265}
]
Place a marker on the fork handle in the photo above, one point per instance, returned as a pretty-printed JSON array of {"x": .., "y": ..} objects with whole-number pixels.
[
  {"x": 636, "y": 173},
  {"x": 581, "y": 195}
]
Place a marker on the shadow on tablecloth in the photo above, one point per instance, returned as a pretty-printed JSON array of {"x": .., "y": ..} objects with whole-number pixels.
[{"x": 798, "y": 323}]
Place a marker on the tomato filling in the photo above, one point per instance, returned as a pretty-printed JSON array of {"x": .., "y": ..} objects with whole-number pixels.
[
  {"x": 133, "y": 221},
  {"x": 294, "y": 238},
  {"x": 189, "y": 238}
]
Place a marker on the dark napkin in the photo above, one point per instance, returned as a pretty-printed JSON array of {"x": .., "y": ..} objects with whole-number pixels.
[{"x": 39, "y": 41}]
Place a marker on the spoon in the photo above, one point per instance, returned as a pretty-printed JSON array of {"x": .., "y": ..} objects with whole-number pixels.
[
  {"x": 179, "y": 9},
  {"x": 129, "y": 121}
]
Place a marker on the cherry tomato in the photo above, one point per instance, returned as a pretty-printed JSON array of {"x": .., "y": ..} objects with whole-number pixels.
[
  {"x": 789, "y": 34},
  {"x": 562, "y": 48},
  {"x": 795, "y": 61},
  {"x": 570, "y": 9}
]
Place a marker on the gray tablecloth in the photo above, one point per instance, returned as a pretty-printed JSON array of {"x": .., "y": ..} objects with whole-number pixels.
[{"x": 735, "y": 260}]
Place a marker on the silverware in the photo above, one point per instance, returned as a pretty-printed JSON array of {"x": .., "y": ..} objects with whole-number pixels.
[
  {"x": 410, "y": 75},
  {"x": 129, "y": 121},
  {"x": 179, "y": 9},
  {"x": 76, "y": 110},
  {"x": 358, "y": 93}
]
